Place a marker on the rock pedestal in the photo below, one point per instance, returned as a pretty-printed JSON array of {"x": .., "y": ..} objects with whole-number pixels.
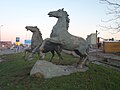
[{"x": 49, "y": 70}]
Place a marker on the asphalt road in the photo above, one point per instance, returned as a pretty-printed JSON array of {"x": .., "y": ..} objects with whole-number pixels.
[{"x": 9, "y": 51}]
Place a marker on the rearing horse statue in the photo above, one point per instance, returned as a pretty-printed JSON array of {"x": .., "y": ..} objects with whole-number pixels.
[
  {"x": 61, "y": 36},
  {"x": 36, "y": 41}
]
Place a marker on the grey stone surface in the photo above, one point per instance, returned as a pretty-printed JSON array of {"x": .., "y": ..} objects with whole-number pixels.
[{"x": 50, "y": 70}]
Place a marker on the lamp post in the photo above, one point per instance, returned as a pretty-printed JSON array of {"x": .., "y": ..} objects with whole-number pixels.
[
  {"x": 0, "y": 37},
  {"x": 0, "y": 32}
]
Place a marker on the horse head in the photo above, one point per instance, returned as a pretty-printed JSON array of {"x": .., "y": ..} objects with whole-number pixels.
[
  {"x": 33, "y": 29},
  {"x": 60, "y": 14}
]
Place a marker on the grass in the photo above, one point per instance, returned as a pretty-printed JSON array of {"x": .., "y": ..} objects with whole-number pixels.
[{"x": 14, "y": 75}]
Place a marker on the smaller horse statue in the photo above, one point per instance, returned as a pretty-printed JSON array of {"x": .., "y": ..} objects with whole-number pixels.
[
  {"x": 36, "y": 41},
  {"x": 61, "y": 36}
]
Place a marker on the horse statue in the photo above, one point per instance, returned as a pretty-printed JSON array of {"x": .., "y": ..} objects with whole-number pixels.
[
  {"x": 36, "y": 41},
  {"x": 62, "y": 37}
]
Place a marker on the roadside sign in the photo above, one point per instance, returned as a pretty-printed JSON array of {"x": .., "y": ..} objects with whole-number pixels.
[
  {"x": 28, "y": 42},
  {"x": 17, "y": 39}
]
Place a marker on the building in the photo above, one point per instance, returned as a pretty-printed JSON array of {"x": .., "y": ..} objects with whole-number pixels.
[
  {"x": 5, "y": 44},
  {"x": 111, "y": 46},
  {"x": 91, "y": 39}
]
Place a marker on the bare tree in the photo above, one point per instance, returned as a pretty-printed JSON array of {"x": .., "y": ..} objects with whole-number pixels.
[{"x": 113, "y": 10}]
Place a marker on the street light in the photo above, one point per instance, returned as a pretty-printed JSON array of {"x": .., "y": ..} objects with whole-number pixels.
[{"x": 0, "y": 32}]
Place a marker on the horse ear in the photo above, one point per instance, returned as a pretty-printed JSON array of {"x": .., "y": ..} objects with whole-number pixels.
[
  {"x": 62, "y": 9},
  {"x": 35, "y": 26}
]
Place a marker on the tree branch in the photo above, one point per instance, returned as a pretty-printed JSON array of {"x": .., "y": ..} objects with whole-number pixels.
[
  {"x": 110, "y": 3},
  {"x": 114, "y": 11}
]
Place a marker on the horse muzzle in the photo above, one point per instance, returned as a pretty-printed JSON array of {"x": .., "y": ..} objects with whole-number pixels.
[{"x": 26, "y": 28}]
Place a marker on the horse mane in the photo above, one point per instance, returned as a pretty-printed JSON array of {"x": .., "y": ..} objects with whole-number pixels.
[
  {"x": 67, "y": 20},
  {"x": 39, "y": 32}
]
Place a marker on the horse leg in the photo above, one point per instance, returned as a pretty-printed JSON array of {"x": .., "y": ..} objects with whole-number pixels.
[
  {"x": 79, "y": 63},
  {"x": 84, "y": 61},
  {"x": 60, "y": 57},
  {"x": 41, "y": 55},
  {"x": 87, "y": 61},
  {"x": 58, "y": 50},
  {"x": 30, "y": 57},
  {"x": 53, "y": 40},
  {"x": 24, "y": 54},
  {"x": 33, "y": 51},
  {"x": 53, "y": 54},
  {"x": 81, "y": 59}
]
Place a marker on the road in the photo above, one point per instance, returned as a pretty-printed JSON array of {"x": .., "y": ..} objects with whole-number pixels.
[{"x": 8, "y": 51}]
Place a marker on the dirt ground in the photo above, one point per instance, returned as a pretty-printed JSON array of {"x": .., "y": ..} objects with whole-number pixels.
[
  {"x": 97, "y": 56},
  {"x": 112, "y": 59}
]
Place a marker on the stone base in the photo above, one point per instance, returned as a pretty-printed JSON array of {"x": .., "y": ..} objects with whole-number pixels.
[{"x": 49, "y": 70}]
